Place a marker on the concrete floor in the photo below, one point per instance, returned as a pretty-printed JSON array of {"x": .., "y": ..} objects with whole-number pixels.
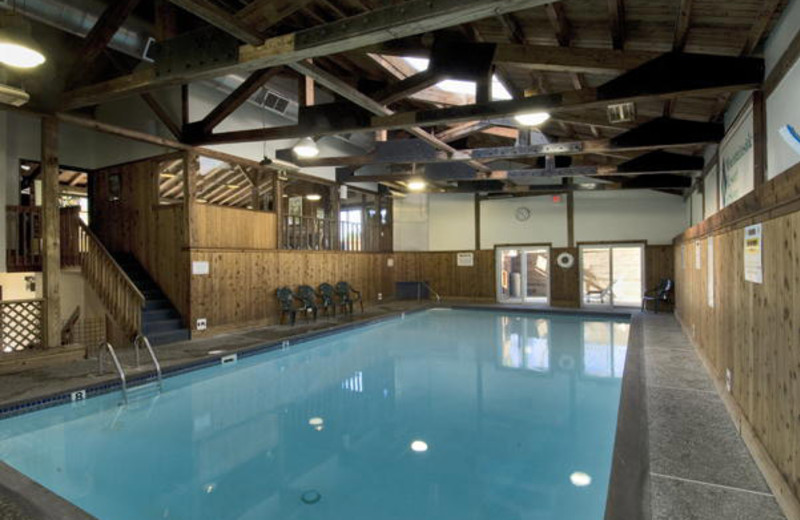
[{"x": 700, "y": 467}]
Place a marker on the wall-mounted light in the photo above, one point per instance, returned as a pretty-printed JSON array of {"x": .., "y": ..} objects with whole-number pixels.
[
  {"x": 416, "y": 185},
  {"x": 306, "y": 147},
  {"x": 313, "y": 197},
  {"x": 532, "y": 118}
]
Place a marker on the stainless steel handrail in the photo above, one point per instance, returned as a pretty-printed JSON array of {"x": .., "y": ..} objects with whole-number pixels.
[
  {"x": 431, "y": 289},
  {"x": 141, "y": 338},
  {"x": 104, "y": 345}
]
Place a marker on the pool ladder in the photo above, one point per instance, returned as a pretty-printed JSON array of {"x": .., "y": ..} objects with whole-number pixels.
[
  {"x": 140, "y": 340},
  {"x": 435, "y": 294}
]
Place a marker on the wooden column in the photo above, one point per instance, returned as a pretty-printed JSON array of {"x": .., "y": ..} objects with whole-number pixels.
[
  {"x": 51, "y": 239},
  {"x": 191, "y": 166},
  {"x": 277, "y": 207},
  {"x": 477, "y": 222},
  {"x": 570, "y": 214},
  {"x": 759, "y": 139},
  {"x": 333, "y": 195},
  {"x": 364, "y": 234}
]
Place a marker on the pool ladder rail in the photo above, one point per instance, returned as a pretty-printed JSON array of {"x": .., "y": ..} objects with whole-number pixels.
[
  {"x": 433, "y": 291},
  {"x": 140, "y": 340}
]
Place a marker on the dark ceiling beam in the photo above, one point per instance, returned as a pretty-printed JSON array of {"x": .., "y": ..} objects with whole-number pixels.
[
  {"x": 558, "y": 20},
  {"x": 99, "y": 36},
  {"x": 235, "y": 99},
  {"x": 616, "y": 15},
  {"x": 221, "y": 19},
  {"x": 406, "y": 87},
  {"x": 671, "y": 75},
  {"x": 461, "y": 131},
  {"x": 386, "y": 23},
  {"x": 537, "y": 57},
  {"x": 658, "y": 134},
  {"x": 163, "y": 115}
]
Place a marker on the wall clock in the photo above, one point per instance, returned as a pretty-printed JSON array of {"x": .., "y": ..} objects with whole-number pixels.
[{"x": 522, "y": 214}]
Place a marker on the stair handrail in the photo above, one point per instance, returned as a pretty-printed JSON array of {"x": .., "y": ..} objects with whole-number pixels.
[
  {"x": 126, "y": 308},
  {"x": 142, "y": 339},
  {"x": 106, "y": 346},
  {"x": 431, "y": 289}
]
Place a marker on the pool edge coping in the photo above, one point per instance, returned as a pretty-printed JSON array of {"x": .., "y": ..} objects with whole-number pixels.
[{"x": 628, "y": 490}]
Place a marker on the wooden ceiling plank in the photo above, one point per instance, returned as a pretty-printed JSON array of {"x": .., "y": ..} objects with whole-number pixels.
[
  {"x": 616, "y": 15},
  {"x": 682, "y": 25},
  {"x": 762, "y": 21},
  {"x": 99, "y": 36},
  {"x": 558, "y": 20},
  {"x": 389, "y": 22},
  {"x": 221, "y": 19},
  {"x": 264, "y": 14}
]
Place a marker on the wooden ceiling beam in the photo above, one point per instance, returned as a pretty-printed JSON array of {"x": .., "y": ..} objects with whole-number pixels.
[
  {"x": 235, "y": 99},
  {"x": 221, "y": 19},
  {"x": 406, "y": 87},
  {"x": 765, "y": 14},
  {"x": 538, "y": 57},
  {"x": 386, "y": 23},
  {"x": 558, "y": 21},
  {"x": 264, "y": 14},
  {"x": 679, "y": 42},
  {"x": 616, "y": 15},
  {"x": 99, "y": 36},
  {"x": 162, "y": 115}
]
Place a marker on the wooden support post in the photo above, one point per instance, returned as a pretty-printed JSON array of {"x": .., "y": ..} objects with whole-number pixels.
[
  {"x": 277, "y": 206},
  {"x": 184, "y": 105},
  {"x": 759, "y": 138},
  {"x": 334, "y": 203},
  {"x": 364, "y": 234},
  {"x": 570, "y": 213},
  {"x": 255, "y": 198},
  {"x": 477, "y": 222},
  {"x": 51, "y": 239},
  {"x": 191, "y": 167}
]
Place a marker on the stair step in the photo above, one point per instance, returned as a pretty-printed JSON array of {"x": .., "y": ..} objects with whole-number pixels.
[
  {"x": 168, "y": 325},
  {"x": 165, "y": 338},
  {"x": 153, "y": 294},
  {"x": 157, "y": 304},
  {"x": 159, "y": 314}
]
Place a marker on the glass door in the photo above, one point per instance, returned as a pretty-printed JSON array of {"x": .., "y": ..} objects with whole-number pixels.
[
  {"x": 612, "y": 274},
  {"x": 523, "y": 274}
]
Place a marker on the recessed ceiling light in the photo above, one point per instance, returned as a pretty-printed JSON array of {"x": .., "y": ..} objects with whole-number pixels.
[
  {"x": 580, "y": 479},
  {"x": 306, "y": 147},
  {"x": 532, "y": 118},
  {"x": 416, "y": 185},
  {"x": 419, "y": 446}
]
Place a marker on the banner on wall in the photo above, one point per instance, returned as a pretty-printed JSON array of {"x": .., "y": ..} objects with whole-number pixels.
[
  {"x": 753, "y": 269},
  {"x": 710, "y": 271},
  {"x": 737, "y": 159}
]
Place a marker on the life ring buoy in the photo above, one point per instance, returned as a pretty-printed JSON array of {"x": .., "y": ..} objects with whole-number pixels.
[
  {"x": 565, "y": 260},
  {"x": 566, "y": 362}
]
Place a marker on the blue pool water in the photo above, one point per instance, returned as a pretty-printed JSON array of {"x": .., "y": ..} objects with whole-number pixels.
[{"x": 446, "y": 414}]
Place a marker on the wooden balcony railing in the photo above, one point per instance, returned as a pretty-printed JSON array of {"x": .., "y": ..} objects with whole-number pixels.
[
  {"x": 24, "y": 238},
  {"x": 118, "y": 293},
  {"x": 313, "y": 233}
]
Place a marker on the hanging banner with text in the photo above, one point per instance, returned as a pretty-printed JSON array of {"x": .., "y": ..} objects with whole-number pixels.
[
  {"x": 737, "y": 160},
  {"x": 753, "y": 269}
]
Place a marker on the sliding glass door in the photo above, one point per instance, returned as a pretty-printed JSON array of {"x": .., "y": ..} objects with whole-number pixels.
[
  {"x": 612, "y": 274},
  {"x": 523, "y": 274}
]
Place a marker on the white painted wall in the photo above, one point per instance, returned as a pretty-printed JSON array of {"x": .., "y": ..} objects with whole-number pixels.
[
  {"x": 710, "y": 190},
  {"x": 783, "y": 108},
  {"x": 696, "y": 201},
  {"x": 547, "y": 223},
  {"x": 452, "y": 222},
  {"x": 628, "y": 215},
  {"x": 410, "y": 228}
]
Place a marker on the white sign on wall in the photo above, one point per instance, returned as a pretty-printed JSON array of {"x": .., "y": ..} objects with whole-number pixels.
[
  {"x": 465, "y": 259},
  {"x": 737, "y": 159},
  {"x": 710, "y": 271},
  {"x": 753, "y": 269},
  {"x": 200, "y": 267}
]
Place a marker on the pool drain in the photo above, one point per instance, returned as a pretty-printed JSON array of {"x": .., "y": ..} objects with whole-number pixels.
[{"x": 311, "y": 496}]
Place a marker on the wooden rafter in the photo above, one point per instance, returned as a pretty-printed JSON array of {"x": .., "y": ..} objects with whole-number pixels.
[
  {"x": 406, "y": 87},
  {"x": 100, "y": 35},
  {"x": 558, "y": 20},
  {"x": 679, "y": 42},
  {"x": 616, "y": 15},
  {"x": 234, "y": 100},
  {"x": 220, "y": 18},
  {"x": 390, "y": 22},
  {"x": 765, "y": 14},
  {"x": 162, "y": 115},
  {"x": 263, "y": 14}
]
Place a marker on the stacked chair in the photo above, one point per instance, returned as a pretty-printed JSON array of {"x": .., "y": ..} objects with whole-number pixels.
[{"x": 309, "y": 301}]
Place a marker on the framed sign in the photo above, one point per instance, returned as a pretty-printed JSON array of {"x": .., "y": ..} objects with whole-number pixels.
[
  {"x": 698, "y": 255},
  {"x": 753, "y": 269},
  {"x": 737, "y": 159},
  {"x": 465, "y": 259}
]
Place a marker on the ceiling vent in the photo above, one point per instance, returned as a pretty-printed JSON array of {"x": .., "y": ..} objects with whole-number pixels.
[
  {"x": 13, "y": 96},
  {"x": 272, "y": 101},
  {"x": 622, "y": 113}
]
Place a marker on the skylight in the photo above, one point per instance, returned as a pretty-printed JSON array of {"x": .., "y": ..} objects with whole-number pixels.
[{"x": 458, "y": 86}]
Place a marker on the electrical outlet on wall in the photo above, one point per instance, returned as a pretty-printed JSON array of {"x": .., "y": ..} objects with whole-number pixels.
[
  {"x": 728, "y": 380},
  {"x": 201, "y": 324}
]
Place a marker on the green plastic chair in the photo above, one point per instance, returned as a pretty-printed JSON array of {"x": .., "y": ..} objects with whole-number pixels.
[
  {"x": 326, "y": 295},
  {"x": 309, "y": 297},
  {"x": 289, "y": 304},
  {"x": 348, "y": 296}
]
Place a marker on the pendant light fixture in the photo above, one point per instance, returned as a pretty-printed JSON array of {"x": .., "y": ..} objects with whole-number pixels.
[
  {"x": 306, "y": 148},
  {"x": 18, "y": 49}
]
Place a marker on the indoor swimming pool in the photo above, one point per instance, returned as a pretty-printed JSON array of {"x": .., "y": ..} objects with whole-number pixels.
[{"x": 445, "y": 414}]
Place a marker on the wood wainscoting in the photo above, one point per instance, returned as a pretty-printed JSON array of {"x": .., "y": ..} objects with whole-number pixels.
[{"x": 751, "y": 331}]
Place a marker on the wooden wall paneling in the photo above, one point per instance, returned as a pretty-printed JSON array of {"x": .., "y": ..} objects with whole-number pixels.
[{"x": 224, "y": 227}]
